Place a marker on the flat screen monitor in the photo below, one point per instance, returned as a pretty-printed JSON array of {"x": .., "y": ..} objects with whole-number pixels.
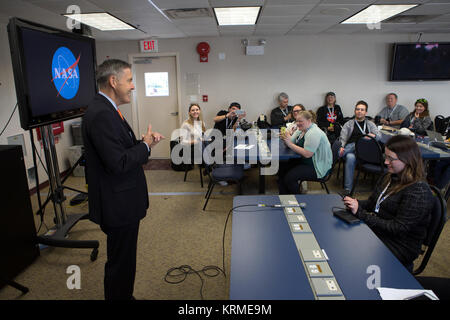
[
  {"x": 420, "y": 61},
  {"x": 54, "y": 72}
]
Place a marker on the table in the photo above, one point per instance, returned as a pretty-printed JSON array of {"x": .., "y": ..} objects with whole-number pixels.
[
  {"x": 428, "y": 152},
  {"x": 266, "y": 264},
  {"x": 257, "y": 154}
]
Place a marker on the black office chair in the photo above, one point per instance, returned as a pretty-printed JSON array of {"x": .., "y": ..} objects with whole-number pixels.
[
  {"x": 223, "y": 172},
  {"x": 437, "y": 222},
  {"x": 189, "y": 167},
  {"x": 447, "y": 192},
  {"x": 441, "y": 123},
  {"x": 335, "y": 151},
  {"x": 369, "y": 158},
  {"x": 186, "y": 167},
  {"x": 333, "y": 136}
]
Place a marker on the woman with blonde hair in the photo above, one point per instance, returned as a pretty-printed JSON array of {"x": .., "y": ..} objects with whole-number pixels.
[
  {"x": 312, "y": 144},
  {"x": 399, "y": 210},
  {"x": 194, "y": 127}
]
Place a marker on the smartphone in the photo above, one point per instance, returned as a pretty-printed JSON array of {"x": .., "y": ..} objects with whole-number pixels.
[
  {"x": 239, "y": 112},
  {"x": 346, "y": 216}
]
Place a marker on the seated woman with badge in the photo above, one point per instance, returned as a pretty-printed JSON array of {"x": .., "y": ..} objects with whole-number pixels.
[
  {"x": 419, "y": 120},
  {"x": 399, "y": 209},
  {"x": 330, "y": 117}
]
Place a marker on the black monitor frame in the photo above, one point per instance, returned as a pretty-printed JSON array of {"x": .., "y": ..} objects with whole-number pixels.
[
  {"x": 27, "y": 119},
  {"x": 393, "y": 58}
]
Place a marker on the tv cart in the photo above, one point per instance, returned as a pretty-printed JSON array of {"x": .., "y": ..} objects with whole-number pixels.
[
  {"x": 16, "y": 285},
  {"x": 57, "y": 236}
]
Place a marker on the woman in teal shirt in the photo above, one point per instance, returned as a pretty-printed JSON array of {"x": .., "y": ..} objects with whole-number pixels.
[{"x": 312, "y": 144}]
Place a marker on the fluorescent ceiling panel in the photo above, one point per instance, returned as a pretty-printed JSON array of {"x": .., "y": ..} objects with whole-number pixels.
[
  {"x": 378, "y": 13},
  {"x": 102, "y": 21},
  {"x": 237, "y": 16}
]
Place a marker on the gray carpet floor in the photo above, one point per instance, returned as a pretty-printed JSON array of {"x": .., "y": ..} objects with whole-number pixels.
[{"x": 175, "y": 232}]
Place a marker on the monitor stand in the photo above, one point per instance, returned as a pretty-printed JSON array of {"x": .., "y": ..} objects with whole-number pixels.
[
  {"x": 57, "y": 236},
  {"x": 16, "y": 285}
]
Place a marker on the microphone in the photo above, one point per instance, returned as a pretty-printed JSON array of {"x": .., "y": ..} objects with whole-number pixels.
[{"x": 301, "y": 205}]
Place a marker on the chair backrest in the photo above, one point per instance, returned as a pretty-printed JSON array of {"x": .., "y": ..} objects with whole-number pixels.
[
  {"x": 368, "y": 150},
  {"x": 335, "y": 150},
  {"x": 441, "y": 123},
  {"x": 437, "y": 221}
]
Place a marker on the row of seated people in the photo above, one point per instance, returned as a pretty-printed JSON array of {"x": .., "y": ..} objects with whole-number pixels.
[
  {"x": 330, "y": 117},
  {"x": 387, "y": 211},
  {"x": 332, "y": 121},
  {"x": 348, "y": 133}
]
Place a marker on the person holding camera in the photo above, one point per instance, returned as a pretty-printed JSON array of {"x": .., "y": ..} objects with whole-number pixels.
[{"x": 229, "y": 119}]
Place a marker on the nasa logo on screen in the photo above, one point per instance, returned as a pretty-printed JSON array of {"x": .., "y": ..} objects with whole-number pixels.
[{"x": 65, "y": 73}]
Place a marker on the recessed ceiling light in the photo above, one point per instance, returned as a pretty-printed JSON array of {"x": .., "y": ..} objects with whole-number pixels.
[
  {"x": 378, "y": 13},
  {"x": 101, "y": 20},
  {"x": 234, "y": 16}
]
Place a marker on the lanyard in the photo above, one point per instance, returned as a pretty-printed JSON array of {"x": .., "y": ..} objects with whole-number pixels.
[
  {"x": 363, "y": 131},
  {"x": 226, "y": 123},
  {"x": 381, "y": 198},
  {"x": 390, "y": 114},
  {"x": 331, "y": 116},
  {"x": 331, "y": 113},
  {"x": 284, "y": 113}
]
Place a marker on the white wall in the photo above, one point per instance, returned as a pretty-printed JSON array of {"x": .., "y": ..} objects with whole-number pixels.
[{"x": 305, "y": 67}]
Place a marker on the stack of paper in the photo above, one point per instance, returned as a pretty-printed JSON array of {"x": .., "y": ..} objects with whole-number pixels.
[{"x": 404, "y": 294}]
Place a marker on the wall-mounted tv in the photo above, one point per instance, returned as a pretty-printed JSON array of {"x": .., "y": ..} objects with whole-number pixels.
[
  {"x": 54, "y": 72},
  {"x": 420, "y": 61}
]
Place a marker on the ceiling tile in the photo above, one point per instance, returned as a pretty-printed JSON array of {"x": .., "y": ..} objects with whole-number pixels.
[
  {"x": 289, "y": 2},
  {"x": 429, "y": 9},
  {"x": 233, "y": 30},
  {"x": 266, "y": 33},
  {"x": 61, "y": 6},
  {"x": 287, "y": 10},
  {"x": 274, "y": 26},
  {"x": 179, "y": 4},
  {"x": 235, "y": 3},
  {"x": 278, "y": 20}
]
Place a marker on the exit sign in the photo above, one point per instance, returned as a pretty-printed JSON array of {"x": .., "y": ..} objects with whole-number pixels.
[{"x": 149, "y": 45}]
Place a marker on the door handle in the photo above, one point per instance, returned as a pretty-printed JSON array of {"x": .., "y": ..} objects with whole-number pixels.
[{"x": 174, "y": 113}]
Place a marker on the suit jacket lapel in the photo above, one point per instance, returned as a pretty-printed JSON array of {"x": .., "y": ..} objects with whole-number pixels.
[{"x": 123, "y": 122}]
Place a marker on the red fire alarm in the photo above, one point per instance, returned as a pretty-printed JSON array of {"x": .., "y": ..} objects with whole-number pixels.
[
  {"x": 203, "y": 50},
  {"x": 205, "y": 98}
]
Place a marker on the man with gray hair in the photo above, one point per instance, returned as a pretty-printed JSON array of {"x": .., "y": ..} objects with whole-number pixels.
[
  {"x": 281, "y": 114},
  {"x": 118, "y": 195},
  {"x": 393, "y": 114}
]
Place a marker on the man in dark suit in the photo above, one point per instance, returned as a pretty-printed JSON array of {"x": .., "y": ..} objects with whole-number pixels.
[{"x": 118, "y": 196}]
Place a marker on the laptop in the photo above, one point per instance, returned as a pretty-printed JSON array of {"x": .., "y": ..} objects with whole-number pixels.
[{"x": 436, "y": 139}]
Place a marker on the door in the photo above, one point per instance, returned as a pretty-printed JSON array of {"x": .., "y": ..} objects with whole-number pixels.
[{"x": 157, "y": 98}]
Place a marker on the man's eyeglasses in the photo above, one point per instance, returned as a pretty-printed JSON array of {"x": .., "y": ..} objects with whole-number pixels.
[{"x": 389, "y": 158}]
